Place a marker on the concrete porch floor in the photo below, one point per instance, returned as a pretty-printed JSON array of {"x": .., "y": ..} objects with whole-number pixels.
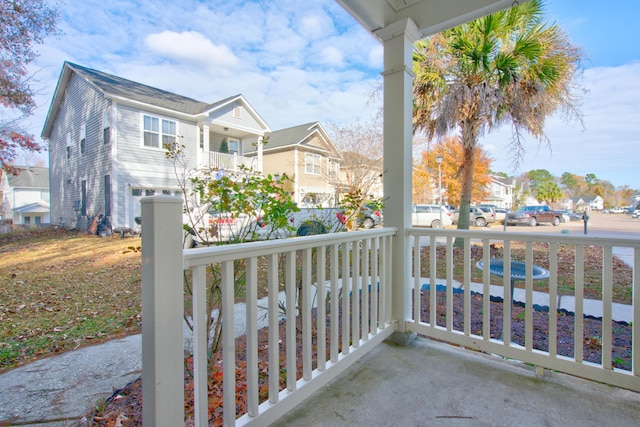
[{"x": 429, "y": 383}]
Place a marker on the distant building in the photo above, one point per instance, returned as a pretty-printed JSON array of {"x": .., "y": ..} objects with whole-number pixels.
[
  {"x": 593, "y": 203},
  {"x": 501, "y": 192},
  {"x": 25, "y": 197}
]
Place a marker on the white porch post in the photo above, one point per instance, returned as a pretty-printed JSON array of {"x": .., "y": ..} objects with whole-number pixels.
[
  {"x": 398, "y": 75},
  {"x": 205, "y": 144},
  {"x": 259, "y": 150},
  {"x": 162, "y": 342},
  {"x": 199, "y": 148}
]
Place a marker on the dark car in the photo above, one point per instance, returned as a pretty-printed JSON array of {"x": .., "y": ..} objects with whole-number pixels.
[{"x": 369, "y": 216}]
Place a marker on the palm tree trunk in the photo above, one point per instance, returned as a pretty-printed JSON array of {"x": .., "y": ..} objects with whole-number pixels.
[{"x": 468, "y": 138}]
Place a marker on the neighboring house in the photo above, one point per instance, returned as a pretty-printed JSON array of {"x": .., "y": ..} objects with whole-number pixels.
[
  {"x": 106, "y": 136},
  {"x": 25, "y": 196},
  {"x": 584, "y": 203},
  {"x": 308, "y": 156},
  {"x": 501, "y": 192},
  {"x": 358, "y": 172}
]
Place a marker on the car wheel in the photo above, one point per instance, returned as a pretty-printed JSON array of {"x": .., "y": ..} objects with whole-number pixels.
[
  {"x": 533, "y": 221},
  {"x": 436, "y": 224},
  {"x": 556, "y": 221},
  {"x": 367, "y": 223},
  {"x": 481, "y": 222}
]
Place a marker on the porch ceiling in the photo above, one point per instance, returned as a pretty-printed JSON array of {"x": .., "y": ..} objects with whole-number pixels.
[{"x": 430, "y": 16}]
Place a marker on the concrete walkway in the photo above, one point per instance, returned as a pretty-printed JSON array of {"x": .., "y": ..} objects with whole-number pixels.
[{"x": 60, "y": 390}]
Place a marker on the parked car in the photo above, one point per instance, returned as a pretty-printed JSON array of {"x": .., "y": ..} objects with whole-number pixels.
[
  {"x": 533, "y": 215},
  {"x": 636, "y": 214},
  {"x": 501, "y": 214},
  {"x": 478, "y": 216},
  {"x": 369, "y": 216},
  {"x": 568, "y": 216},
  {"x": 429, "y": 216}
]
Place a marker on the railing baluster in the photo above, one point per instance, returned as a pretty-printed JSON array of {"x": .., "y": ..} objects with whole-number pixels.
[
  {"x": 274, "y": 328},
  {"x": 449, "y": 284},
  {"x": 346, "y": 305},
  {"x": 228, "y": 344},
  {"x": 366, "y": 243},
  {"x": 335, "y": 316},
  {"x": 578, "y": 328},
  {"x": 467, "y": 286},
  {"x": 528, "y": 297},
  {"x": 416, "y": 278},
  {"x": 635, "y": 324},
  {"x": 507, "y": 300},
  {"x": 553, "y": 300},
  {"x": 607, "y": 300},
  {"x": 433, "y": 272},
  {"x": 251, "y": 291},
  {"x": 306, "y": 314},
  {"x": 355, "y": 294},
  {"x": 486, "y": 291},
  {"x": 321, "y": 318},
  {"x": 290, "y": 291},
  {"x": 375, "y": 280},
  {"x": 199, "y": 319}
]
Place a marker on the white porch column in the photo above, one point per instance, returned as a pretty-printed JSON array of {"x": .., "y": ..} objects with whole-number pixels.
[
  {"x": 398, "y": 76},
  {"x": 199, "y": 148},
  {"x": 205, "y": 144},
  {"x": 162, "y": 341},
  {"x": 259, "y": 149}
]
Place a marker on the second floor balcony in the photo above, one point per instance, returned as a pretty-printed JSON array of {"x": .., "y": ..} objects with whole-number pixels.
[{"x": 230, "y": 162}]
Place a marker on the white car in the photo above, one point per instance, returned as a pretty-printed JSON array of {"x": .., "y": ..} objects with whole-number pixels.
[{"x": 429, "y": 216}]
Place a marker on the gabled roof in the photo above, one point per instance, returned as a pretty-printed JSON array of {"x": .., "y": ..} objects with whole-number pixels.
[
  {"x": 117, "y": 87},
  {"x": 40, "y": 206},
  {"x": 29, "y": 177},
  {"x": 298, "y": 136}
]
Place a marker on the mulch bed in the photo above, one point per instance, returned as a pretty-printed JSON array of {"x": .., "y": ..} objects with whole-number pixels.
[{"x": 124, "y": 407}]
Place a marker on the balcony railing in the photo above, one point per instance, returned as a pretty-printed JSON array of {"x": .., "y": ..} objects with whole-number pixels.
[
  {"x": 329, "y": 294},
  {"x": 437, "y": 260},
  {"x": 328, "y": 302},
  {"x": 231, "y": 162}
]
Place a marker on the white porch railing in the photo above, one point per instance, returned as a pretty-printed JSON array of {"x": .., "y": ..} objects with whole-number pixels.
[
  {"x": 231, "y": 162},
  {"x": 345, "y": 280},
  {"x": 343, "y": 277},
  {"x": 437, "y": 261}
]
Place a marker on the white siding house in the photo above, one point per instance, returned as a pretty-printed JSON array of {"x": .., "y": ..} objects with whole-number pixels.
[
  {"x": 24, "y": 198},
  {"x": 106, "y": 136}
]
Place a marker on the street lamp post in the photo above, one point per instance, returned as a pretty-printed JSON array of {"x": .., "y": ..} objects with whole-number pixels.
[{"x": 439, "y": 161}]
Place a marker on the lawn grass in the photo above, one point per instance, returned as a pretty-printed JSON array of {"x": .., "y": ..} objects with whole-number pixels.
[{"x": 60, "y": 290}]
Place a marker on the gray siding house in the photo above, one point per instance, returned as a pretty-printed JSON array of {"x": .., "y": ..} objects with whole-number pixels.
[
  {"x": 106, "y": 136},
  {"x": 24, "y": 198}
]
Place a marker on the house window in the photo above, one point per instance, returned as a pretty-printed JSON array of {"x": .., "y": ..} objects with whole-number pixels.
[
  {"x": 68, "y": 152},
  {"x": 83, "y": 138},
  {"x": 106, "y": 127},
  {"x": 37, "y": 220},
  {"x": 313, "y": 164},
  {"x": 27, "y": 220},
  {"x": 136, "y": 192},
  {"x": 333, "y": 169},
  {"x": 149, "y": 192},
  {"x": 166, "y": 192},
  {"x": 158, "y": 131},
  {"x": 68, "y": 145}
]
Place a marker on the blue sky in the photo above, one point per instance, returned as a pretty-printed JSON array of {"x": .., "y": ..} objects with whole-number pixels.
[{"x": 297, "y": 62}]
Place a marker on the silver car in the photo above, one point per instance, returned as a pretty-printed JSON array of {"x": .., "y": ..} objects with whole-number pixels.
[{"x": 429, "y": 216}]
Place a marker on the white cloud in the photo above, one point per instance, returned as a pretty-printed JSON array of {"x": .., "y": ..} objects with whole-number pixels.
[
  {"x": 192, "y": 47},
  {"x": 332, "y": 56}
]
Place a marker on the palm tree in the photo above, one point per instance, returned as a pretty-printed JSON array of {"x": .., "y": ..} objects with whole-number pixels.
[{"x": 509, "y": 67}]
